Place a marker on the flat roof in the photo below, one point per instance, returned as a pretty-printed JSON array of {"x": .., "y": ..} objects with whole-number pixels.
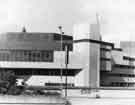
[
  {"x": 118, "y": 49},
  {"x": 94, "y": 41}
]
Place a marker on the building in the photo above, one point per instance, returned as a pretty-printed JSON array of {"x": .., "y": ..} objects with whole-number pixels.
[
  {"x": 102, "y": 64},
  {"x": 92, "y": 62},
  {"x": 30, "y": 54},
  {"x": 87, "y": 54},
  {"x": 121, "y": 73}
]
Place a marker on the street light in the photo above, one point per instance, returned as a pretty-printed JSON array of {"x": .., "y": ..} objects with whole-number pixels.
[
  {"x": 66, "y": 63},
  {"x": 61, "y": 47},
  {"x": 66, "y": 58}
]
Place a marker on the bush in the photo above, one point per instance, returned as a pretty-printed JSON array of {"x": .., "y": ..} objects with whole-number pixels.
[{"x": 8, "y": 83}]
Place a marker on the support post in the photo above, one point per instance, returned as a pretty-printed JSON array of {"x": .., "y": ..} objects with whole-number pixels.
[{"x": 66, "y": 63}]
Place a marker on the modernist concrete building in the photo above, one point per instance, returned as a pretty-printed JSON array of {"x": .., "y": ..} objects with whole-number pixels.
[
  {"x": 30, "y": 54},
  {"x": 102, "y": 64},
  {"x": 92, "y": 62}
]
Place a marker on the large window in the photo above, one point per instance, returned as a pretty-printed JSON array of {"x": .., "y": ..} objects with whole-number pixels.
[{"x": 26, "y": 55}]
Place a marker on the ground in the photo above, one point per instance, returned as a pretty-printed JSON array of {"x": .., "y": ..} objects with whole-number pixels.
[{"x": 107, "y": 97}]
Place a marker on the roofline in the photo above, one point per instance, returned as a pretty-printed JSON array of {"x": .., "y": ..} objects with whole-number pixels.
[
  {"x": 94, "y": 41},
  {"x": 35, "y": 33},
  {"x": 98, "y": 42},
  {"x": 118, "y": 49}
]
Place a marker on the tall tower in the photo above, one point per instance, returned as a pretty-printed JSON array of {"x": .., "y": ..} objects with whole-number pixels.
[{"x": 87, "y": 52}]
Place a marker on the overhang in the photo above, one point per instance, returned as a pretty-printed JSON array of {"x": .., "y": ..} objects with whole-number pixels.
[
  {"x": 40, "y": 68},
  {"x": 49, "y": 72}
]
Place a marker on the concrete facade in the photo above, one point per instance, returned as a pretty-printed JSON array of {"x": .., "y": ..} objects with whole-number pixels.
[
  {"x": 102, "y": 64},
  {"x": 23, "y": 53},
  {"x": 88, "y": 53},
  {"x": 122, "y": 70},
  {"x": 92, "y": 62}
]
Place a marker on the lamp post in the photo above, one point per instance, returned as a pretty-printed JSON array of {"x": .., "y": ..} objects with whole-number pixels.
[
  {"x": 61, "y": 48},
  {"x": 66, "y": 63}
]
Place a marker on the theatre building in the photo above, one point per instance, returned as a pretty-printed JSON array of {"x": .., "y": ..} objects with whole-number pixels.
[
  {"x": 30, "y": 54},
  {"x": 102, "y": 64},
  {"x": 92, "y": 62}
]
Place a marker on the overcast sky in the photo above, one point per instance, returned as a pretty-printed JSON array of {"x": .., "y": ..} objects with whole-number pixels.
[{"x": 117, "y": 17}]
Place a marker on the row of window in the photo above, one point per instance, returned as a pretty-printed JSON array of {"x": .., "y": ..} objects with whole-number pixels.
[
  {"x": 29, "y": 36},
  {"x": 117, "y": 75},
  {"x": 122, "y": 84},
  {"x": 37, "y": 36},
  {"x": 26, "y": 55},
  {"x": 118, "y": 84}
]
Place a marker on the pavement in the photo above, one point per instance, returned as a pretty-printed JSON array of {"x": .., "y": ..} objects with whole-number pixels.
[{"x": 104, "y": 97}]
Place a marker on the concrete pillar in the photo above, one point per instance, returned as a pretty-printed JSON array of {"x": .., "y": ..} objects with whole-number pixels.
[{"x": 87, "y": 54}]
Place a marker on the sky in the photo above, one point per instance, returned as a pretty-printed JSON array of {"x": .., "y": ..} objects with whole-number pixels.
[{"x": 117, "y": 17}]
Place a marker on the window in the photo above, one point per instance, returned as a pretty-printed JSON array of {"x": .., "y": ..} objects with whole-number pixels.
[{"x": 26, "y": 55}]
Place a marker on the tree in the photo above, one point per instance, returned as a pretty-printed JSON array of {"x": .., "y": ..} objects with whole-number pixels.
[{"x": 7, "y": 82}]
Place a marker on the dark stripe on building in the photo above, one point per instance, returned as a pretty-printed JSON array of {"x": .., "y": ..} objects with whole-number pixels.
[{"x": 94, "y": 41}]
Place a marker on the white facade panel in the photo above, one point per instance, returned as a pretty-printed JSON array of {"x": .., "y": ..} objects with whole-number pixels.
[
  {"x": 94, "y": 65},
  {"x": 41, "y": 80},
  {"x": 81, "y": 51},
  {"x": 40, "y": 65},
  {"x": 87, "y": 54}
]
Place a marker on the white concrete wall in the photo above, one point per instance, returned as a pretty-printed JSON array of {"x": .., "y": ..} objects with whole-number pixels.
[
  {"x": 87, "y": 54},
  {"x": 94, "y": 65},
  {"x": 41, "y": 80},
  {"x": 82, "y": 52}
]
